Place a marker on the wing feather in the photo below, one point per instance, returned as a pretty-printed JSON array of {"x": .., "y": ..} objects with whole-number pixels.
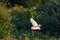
[{"x": 34, "y": 23}]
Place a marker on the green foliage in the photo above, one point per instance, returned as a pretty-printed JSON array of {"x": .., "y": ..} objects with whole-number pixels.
[
  {"x": 50, "y": 17},
  {"x": 46, "y": 14},
  {"x": 24, "y": 3},
  {"x": 5, "y": 25},
  {"x": 20, "y": 18},
  {"x": 16, "y": 20}
]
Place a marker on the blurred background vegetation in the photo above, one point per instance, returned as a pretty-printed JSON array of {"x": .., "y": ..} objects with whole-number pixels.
[{"x": 15, "y": 18}]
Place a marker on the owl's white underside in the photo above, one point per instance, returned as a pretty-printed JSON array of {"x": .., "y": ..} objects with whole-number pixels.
[{"x": 35, "y": 28}]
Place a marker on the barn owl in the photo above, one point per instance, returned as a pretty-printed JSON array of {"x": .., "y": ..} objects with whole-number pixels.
[{"x": 35, "y": 25}]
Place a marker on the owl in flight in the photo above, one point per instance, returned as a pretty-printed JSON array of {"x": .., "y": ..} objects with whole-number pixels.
[{"x": 35, "y": 26}]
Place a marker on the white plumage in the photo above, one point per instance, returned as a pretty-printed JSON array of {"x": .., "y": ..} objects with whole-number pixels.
[{"x": 35, "y": 25}]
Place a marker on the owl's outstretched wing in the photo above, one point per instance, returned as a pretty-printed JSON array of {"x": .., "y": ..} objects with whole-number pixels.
[{"x": 34, "y": 23}]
